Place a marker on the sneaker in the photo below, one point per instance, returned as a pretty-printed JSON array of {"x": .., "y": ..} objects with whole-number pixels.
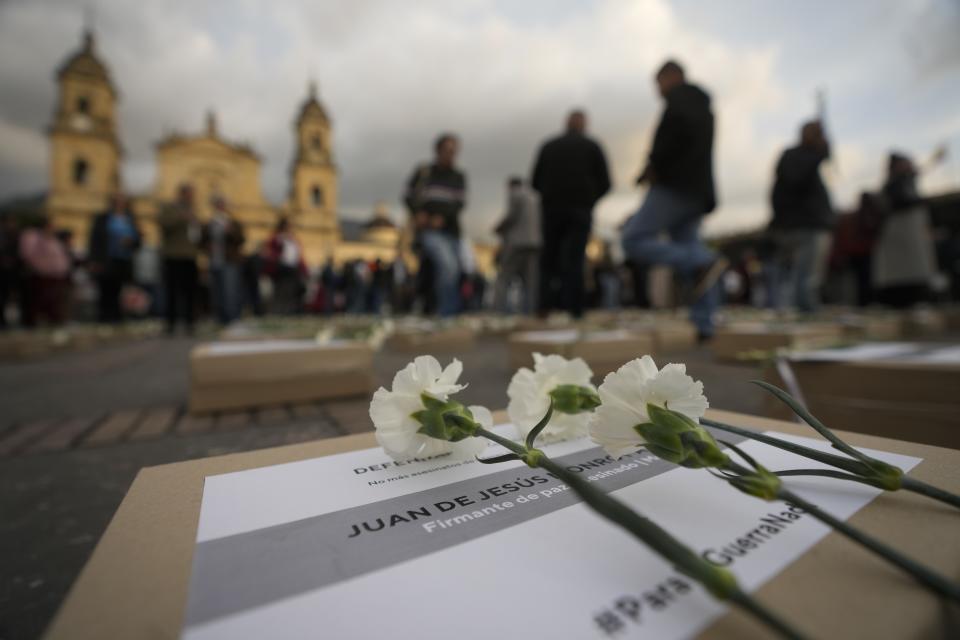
[{"x": 707, "y": 276}]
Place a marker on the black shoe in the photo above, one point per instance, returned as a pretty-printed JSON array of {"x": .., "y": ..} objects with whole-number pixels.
[{"x": 707, "y": 276}]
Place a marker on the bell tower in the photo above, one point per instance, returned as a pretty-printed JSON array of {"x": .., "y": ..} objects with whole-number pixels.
[
  {"x": 313, "y": 188},
  {"x": 84, "y": 148}
]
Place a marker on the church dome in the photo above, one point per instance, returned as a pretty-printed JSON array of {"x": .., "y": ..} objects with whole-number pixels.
[{"x": 85, "y": 63}]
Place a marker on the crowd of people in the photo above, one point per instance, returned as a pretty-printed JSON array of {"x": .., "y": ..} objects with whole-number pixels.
[
  {"x": 544, "y": 235},
  {"x": 549, "y": 219}
]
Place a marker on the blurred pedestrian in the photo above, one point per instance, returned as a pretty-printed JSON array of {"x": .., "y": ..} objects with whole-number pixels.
[
  {"x": 904, "y": 262},
  {"x": 46, "y": 270},
  {"x": 284, "y": 263},
  {"x": 381, "y": 281},
  {"x": 114, "y": 241},
  {"x": 328, "y": 286},
  {"x": 223, "y": 240},
  {"x": 435, "y": 197},
  {"x": 180, "y": 237},
  {"x": 520, "y": 242},
  {"x": 680, "y": 174},
  {"x": 251, "y": 271},
  {"x": 9, "y": 264},
  {"x": 606, "y": 274},
  {"x": 570, "y": 174},
  {"x": 803, "y": 218}
]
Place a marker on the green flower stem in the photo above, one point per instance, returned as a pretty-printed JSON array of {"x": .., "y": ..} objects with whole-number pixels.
[
  {"x": 857, "y": 468},
  {"x": 919, "y": 572},
  {"x": 718, "y": 581},
  {"x": 924, "y": 489}
]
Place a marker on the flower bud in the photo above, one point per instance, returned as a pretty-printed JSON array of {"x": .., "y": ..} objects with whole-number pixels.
[
  {"x": 887, "y": 476},
  {"x": 760, "y": 483},
  {"x": 678, "y": 439},
  {"x": 445, "y": 420},
  {"x": 573, "y": 399}
]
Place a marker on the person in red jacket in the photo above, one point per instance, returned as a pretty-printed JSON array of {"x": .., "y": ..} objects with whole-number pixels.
[{"x": 283, "y": 262}]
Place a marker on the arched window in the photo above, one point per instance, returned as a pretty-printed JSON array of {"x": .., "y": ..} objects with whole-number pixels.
[
  {"x": 83, "y": 104},
  {"x": 81, "y": 172},
  {"x": 316, "y": 142},
  {"x": 316, "y": 196}
]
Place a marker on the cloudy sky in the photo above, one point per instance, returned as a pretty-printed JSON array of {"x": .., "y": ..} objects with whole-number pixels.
[{"x": 503, "y": 74}]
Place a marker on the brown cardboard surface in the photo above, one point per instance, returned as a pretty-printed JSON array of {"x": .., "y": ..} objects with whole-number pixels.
[
  {"x": 924, "y": 322},
  {"x": 677, "y": 335},
  {"x": 668, "y": 334},
  {"x": 873, "y": 327},
  {"x": 135, "y": 583},
  {"x": 264, "y": 378},
  {"x": 602, "y": 355},
  {"x": 907, "y": 401},
  {"x": 733, "y": 340},
  {"x": 438, "y": 340}
]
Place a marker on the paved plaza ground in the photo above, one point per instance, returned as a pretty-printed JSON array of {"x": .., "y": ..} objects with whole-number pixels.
[{"x": 76, "y": 428}]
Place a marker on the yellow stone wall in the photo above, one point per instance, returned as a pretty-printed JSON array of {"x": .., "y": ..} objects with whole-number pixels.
[
  {"x": 302, "y": 208},
  {"x": 100, "y": 97},
  {"x": 88, "y": 136}
]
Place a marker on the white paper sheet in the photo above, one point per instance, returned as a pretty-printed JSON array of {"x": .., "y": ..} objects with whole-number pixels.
[
  {"x": 564, "y": 336},
  {"x": 912, "y": 352},
  {"x": 329, "y": 547},
  {"x": 229, "y": 348}
]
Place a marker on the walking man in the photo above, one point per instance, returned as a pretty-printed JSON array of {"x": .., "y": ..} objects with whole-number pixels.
[
  {"x": 571, "y": 176},
  {"x": 803, "y": 219},
  {"x": 435, "y": 196},
  {"x": 680, "y": 175}
]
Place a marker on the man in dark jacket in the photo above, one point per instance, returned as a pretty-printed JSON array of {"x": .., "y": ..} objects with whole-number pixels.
[
  {"x": 435, "y": 196},
  {"x": 571, "y": 175},
  {"x": 803, "y": 218},
  {"x": 114, "y": 239},
  {"x": 680, "y": 174}
]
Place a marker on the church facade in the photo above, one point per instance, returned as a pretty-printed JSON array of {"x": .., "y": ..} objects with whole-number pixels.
[{"x": 86, "y": 168}]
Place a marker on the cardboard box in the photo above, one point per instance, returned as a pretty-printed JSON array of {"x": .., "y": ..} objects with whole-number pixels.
[
  {"x": 669, "y": 334},
  {"x": 872, "y": 327},
  {"x": 924, "y": 322},
  {"x": 899, "y": 397},
  {"x": 604, "y": 351},
  {"x": 678, "y": 335},
  {"x": 732, "y": 341},
  {"x": 239, "y": 375},
  {"x": 22, "y": 345},
  {"x": 421, "y": 341},
  {"x": 135, "y": 583},
  {"x": 951, "y": 316}
]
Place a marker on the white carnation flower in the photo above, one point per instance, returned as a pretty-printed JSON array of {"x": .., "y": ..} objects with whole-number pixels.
[
  {"x": 392, "y": 411},
  {"x": 626, "y": 393},
  {"x": 529, "y": 393}
]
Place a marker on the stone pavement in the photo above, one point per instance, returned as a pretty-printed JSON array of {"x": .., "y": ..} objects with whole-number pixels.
[{"x": 76, "y": 428}]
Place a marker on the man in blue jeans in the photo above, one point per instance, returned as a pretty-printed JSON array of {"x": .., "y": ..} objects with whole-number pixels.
[
  {"x": 680, "y": 174},
  {"x": 435, "y": 196}
]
